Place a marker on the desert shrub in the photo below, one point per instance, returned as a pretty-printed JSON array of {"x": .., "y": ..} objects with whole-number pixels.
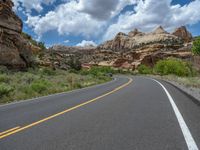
[
  {"x": 100, "y": 71},
  {"x": 196, "y": 46},
  {"x": 48, "y": 71},
  {"x": 4, "y": 78},
  {"x": 173, "y": 66},
  {"x": 5, "y": 90},
  {"x": 143, "y": 69},
  {"x": 4, "y": 69},
  {"x": 40, "y": 86},
  {"x": 74, "y": 64}
]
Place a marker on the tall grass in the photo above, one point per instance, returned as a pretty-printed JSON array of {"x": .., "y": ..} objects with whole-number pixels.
[{"x": 43, "y": 81}]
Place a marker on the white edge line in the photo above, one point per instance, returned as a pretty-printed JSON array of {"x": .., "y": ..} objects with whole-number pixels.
[
  {"x": 56, "y": 94},
  {"x": 185, "y": 130}
]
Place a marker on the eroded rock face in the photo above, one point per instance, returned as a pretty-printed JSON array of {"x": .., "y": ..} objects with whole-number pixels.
[
  {"x": 136, "y": 39},
  {"x": 138, "y": 48},
  {"x": 183, "y": 33},
  {"x": 15, "y": 51},
  {"x": 129, "y": 51}
]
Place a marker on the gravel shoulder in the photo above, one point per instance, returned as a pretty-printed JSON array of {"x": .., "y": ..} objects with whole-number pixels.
[{"x": 190, "y": 85}]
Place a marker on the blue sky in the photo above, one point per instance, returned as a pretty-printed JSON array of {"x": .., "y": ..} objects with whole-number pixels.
[{"x": 82, "y": 22}]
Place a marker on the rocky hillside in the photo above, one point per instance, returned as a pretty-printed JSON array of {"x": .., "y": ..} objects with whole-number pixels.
[
  {"x": 15, "y": 50},
  {"x": 136, "y": 39},
  {"x": 128, "y": 51}
]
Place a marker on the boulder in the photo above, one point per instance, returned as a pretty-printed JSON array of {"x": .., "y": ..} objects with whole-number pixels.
[{"x": 15, "y": 51}]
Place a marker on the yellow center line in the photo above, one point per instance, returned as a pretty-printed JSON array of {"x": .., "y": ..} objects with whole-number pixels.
[
  {"x": 10, "y": 130},
  {"x": 65, "y": 111}
]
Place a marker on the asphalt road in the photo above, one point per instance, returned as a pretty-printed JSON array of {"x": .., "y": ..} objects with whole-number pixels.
[{"x": 129, "y": 113}]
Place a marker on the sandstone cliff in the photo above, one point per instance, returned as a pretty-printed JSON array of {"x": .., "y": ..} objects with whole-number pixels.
[
  {"x": 126, "y": 51},
  {"x": 136, "y": 39},
  {"x": 15, "y": 51},
  {"x": 146, "y": 48},
  {"x": 183, "y": 33}
]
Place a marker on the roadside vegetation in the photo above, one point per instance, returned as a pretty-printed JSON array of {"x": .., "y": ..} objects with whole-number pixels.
[
  {"x": 170, "y": 66},
  {"x": 44, "y": 81},
  {"x": 175, "y": 70},
  {"x": 196, "y": 46}
]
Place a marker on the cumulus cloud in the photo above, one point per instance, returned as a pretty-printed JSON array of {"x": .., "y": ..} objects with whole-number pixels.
[
  {"x": 103, "y": 9},
  {"x": 93, "y": 18},
  {"x": 66, "y": 19},
  {"x": 32, "y": 4},
  {"x": 66, "y": 41},
  {"x": 151, "y": 13},
  {"x": 84, "y": 17},
  {"x": 85, "y": 43}
]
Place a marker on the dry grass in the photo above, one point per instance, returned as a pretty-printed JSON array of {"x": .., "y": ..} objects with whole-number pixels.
[
  {"x": 186, "y": 81},
  {"x": 16, "y": 86}
]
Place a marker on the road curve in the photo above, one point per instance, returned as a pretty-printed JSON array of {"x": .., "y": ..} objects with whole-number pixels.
[{"x": 128, "y": 113}]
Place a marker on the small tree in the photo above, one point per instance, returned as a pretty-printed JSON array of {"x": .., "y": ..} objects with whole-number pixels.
[
  {"x": 196, "y": 46},
  {"x": 74, "y": 63}
]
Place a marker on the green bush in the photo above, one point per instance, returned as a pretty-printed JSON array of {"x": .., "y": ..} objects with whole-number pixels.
[
  {"x": 48, "y": 71},
  {"x": 40, "y": 86},
  {"x": 4, "y": 78},
  {"x": 196, "y": 46},
  {"x": 100, "y": 71},
  {"x": 74, "y": 64},
  {"x": 4, "y": 69},
  {"x": 142, "y": 69},
  {"x": 5, "y": 90},
  {"x": 173, "y": 66}
]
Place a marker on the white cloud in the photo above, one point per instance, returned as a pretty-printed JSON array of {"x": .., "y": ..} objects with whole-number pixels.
[
  {"x": 66, "y": 19},
  {"x": 66, "y": 41},
  {"x": 103, "y": 9},
  {"x": 86, "y": 43},
  {"x": 32, "y": 4},
  {"x": 92, "y": 18},
  {"x": 151, "y": 13}
]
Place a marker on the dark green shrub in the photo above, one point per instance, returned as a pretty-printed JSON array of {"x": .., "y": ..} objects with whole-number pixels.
[
  {"x": 40, "y": 86},
  {"x": 4, "y": 69},
  {"x": 5, "y": 90},
  {"x": 48, "y": 71},
  {"x": 196, "y": 46},
  {"x": 4, "y": 78},
  {"x": 143, "y": 69},
  {"x": 74, "y": 64},
  {"x": 173, "y": 66},
  {"x": 99, "y": 71}
]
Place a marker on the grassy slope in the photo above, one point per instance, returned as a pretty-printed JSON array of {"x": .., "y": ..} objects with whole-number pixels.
[{"x": 34, "y": 83}]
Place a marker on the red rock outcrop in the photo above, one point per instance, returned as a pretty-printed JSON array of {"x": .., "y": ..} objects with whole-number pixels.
[
  {"x": 15, "y": 51},
  {"x": 183, "y": 33}
]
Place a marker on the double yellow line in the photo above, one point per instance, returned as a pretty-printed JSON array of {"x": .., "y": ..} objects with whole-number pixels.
[{"x": 18, "y": 129}]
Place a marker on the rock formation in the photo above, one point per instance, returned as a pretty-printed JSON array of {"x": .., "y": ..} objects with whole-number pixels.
[
  {"x": 147, "y": 48},
  {"x": 15, "y": 51},
  {"x": 136, "y": 39},
  {"x": 183, "y": 34},
  {"x": 129, "y": 51}
]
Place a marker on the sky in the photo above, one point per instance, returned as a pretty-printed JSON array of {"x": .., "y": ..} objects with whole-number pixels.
[{"x": 91, "y": 22}]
